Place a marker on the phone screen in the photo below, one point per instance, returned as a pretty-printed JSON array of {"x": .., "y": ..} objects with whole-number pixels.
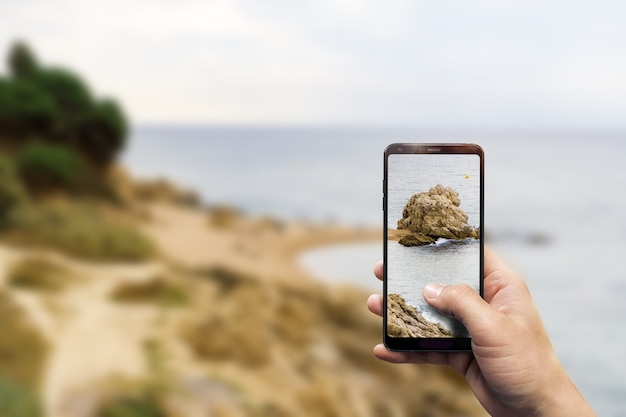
[{"x": 433, "y": 205}]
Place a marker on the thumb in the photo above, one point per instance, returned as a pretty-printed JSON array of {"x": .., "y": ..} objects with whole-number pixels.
[{"x": 461, "y": 302}]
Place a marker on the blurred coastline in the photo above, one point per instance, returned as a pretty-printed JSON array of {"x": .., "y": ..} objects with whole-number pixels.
[
  {"x": 551, "y": 198},
  {"x": 232, "y": 215}
]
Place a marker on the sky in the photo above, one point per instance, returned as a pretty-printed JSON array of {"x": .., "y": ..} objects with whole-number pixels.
[{"x": 466, "y": 63}]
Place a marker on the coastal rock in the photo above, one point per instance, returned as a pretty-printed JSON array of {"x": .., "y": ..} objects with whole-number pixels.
[
  {"x": 416, "y": 239},
  {"x": 435, "y": 214},
  {"x": 404, "y": 320}
]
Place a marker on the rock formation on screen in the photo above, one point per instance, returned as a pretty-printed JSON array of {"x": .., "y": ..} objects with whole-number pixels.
[
  {"x": 404, "y": 320},
  {"x": 434, "y": 214}
]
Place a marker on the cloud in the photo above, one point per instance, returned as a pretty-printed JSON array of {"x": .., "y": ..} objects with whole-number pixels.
[{"x": 350, "y": 62}]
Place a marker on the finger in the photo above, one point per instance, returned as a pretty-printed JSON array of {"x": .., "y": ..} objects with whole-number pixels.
[
  {"x": 382, "y": 353},
  {"x": 378, "y": 270},
  {"x": 462, "y": 302},
  {"x": 456, "y": 360},
  {"x": 498, "y": 276},
  {"x": 375, "y": 304},
  {"x": 492, "y": 262}
]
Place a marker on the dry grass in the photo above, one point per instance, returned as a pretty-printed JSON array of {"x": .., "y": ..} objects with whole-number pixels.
[
  {"x": 223, "y": 217},
  {"x": 306, "y": 349},
  {"x": 39, "y": 273},
  {"x": 141, "y": 405},
  {"x": 78, "y": 229},
  {"x": 225, "y": 278},
  {"x": 162, "y": 190},
  {"x": 158, "y": 290},
  {"x": 233, "y": 332},
  {"x": 23, "y": 350}
]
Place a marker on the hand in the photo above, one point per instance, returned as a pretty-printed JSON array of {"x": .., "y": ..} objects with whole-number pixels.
[{"x": 512, "y": 369}]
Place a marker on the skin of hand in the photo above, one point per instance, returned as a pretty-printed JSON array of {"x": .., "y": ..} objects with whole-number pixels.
[{"x": 512, "y": 369}]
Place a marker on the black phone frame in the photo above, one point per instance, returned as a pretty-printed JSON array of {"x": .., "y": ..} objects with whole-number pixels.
[{"x": 451, "y": 344}]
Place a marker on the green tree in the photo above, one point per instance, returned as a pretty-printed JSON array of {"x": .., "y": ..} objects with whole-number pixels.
[
  {"x": 66, "y": 89},
  {"x": 22, "y": 62},
  {"x": 25, "y": 109},
  {"x": 57, "y": 105},
  {"x": 44, "y": 166},
  {"x": 103, "y": 131}
]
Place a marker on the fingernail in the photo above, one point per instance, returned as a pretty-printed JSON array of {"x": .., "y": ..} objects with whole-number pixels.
[{"x": 432, "y": 290}]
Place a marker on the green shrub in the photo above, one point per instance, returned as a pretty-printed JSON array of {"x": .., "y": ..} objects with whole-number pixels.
[
  {"x": 18, "y": 401},
  {"x": 39, "y": 273},
  {"x": 96, "y": 129},
  {"x": 112, "y": 115},
  {"x": 25, "y": 109},
  {"x": 102, "y": 132},
  {"x": 79, "y": 230},
  {"x": 144, "y": 405},
  {"x": 56, "y": 104},
  {"x": 66, "y": 89},
  {"x": 45, "y": 166},
  {"x": 12, "y": 193},
  {"x": 22, "y": 61}
]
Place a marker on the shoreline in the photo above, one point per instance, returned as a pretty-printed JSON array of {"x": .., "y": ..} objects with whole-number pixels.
[
  {"x": 258, "y": 246},
  {"x": 348, "y": 263}
]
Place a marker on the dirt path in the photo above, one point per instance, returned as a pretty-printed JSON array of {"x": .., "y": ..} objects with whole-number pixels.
[
  {"x": 91, "y": 337},
  {"x": 99, "y": 335}
]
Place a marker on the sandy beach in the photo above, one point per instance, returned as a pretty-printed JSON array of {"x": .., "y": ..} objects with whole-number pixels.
[{"x": 263, "y": 247}]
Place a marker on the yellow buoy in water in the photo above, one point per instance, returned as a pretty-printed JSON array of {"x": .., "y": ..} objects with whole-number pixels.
[{"x": 467, "y": 176}]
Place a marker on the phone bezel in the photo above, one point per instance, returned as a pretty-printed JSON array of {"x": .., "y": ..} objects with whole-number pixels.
[{"x": 453, "y": 344}]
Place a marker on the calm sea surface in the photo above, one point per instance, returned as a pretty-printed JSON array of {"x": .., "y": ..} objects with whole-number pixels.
[{"x": 555, "y": 210}]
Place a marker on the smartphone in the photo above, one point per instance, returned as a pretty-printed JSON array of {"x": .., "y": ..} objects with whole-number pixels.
[{"x": 433, "y": 232}]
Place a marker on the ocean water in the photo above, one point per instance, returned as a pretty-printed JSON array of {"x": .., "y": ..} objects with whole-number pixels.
[
  {"x": 446, "y": 262},
  {"x": 555, "y": 205}
]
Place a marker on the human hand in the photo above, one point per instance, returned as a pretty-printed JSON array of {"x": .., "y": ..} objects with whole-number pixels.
[{"x": 512, "y": 369}]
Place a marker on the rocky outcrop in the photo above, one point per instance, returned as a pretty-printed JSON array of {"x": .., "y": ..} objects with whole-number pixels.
[
  {"x": 416, "y": 239},
  {"x": 404, "y": 320},
  {"x": 435, "y": 214}
]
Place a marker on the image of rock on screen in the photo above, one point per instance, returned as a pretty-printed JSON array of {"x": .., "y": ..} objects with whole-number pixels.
[{"x": 433, "y": 235}]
